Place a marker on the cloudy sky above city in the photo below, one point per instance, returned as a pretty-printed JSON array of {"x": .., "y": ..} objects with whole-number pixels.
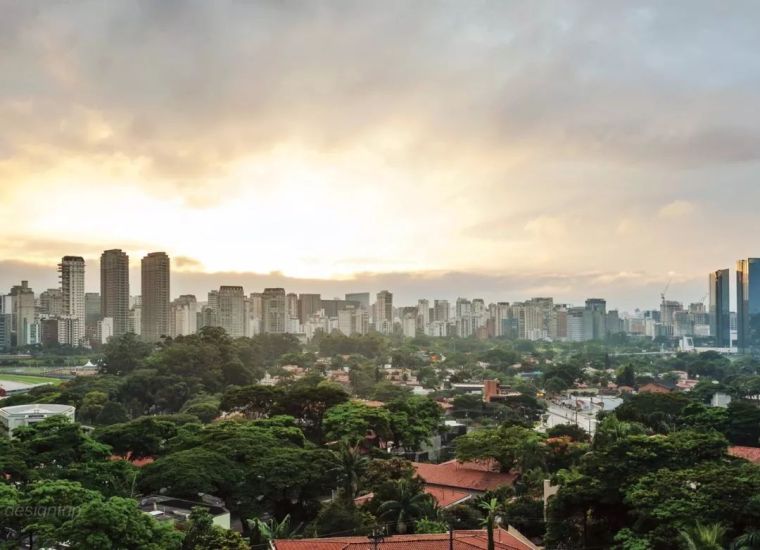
[{"x": 496, "y": 149}]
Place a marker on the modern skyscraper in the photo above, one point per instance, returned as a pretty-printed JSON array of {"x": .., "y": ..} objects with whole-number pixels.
[
  {"x": 71, "y": 271},
  {"x": 308, "y": 305},
  {"x": 361, "y": 297},
  {"x": 155, "y": 296},
  {"x": 275, "y": 310},
  {"x": 598, "y": 309},
  {"x": 441, "y": 310},
  {"x": 91, "y": 308},
  {"x": 720, "y": 310},
  {"x": 232, "y": 310},
  {"x": 384, "y": 307},
  {"x": 5, "y": 331},
  {"x": 114, "y": 289},
  {"x": 748, "y": 304},
  {"x": 51, "y": 302},
  {"x": 183, "y": 317}
]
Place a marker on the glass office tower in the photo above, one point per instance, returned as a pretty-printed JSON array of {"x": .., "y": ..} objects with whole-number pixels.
[
  {"x": 720, "y": 311},
  {"x": 748, "y": 305}
]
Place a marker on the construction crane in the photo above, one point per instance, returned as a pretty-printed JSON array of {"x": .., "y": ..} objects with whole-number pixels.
[{"x": 664, "y": 290}]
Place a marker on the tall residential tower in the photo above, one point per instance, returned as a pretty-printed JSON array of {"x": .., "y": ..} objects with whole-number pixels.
[
  {"x": 155, "y": 297},
  {"x": 114, "y": 289},
  {"x": 71, "y": 271}
]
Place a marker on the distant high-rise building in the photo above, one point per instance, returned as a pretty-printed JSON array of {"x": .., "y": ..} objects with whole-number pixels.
[
  {"x": 51, "y": 302},
  {"x": 308, "y": 305},
  {"x": 291, "y": 299},
  {"x": 71, "y": 271},
  {"x": 748, "y": 304},
  {"x": 384, "y": 312},
  {"x": 92, "y": 316},
  {"x": 423, "y": 313},
  {"x": 114, "y": 289},
  {"x": 135, "y": 314},
  {"x": 580, "y": 324},
  {"x": 275, "y": 310},
  {"x": 361, "y": 297},
  {"x": 6, "y": 319},
  {"x": 91, "y": 308},
  {"x": 720, "y": 308},
  {"x": 155, "y": 296},
  {"x": 441, "y": 310},
  {"x": 384, "y": 305},
  {"x": 598, "y": 309},
  {"x": 183, "y": 316},
  {"x": 232, "y": 310},
  {"x": 257, "y": 305}
]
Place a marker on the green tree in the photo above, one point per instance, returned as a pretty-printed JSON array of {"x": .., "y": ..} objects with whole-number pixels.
[
  {"x": 344, "y": 517},
  {"x": 111, "y": 413},
  {"x": 704, "y": 537},
  {"x": 117, "y": 523},
  {"x": 92, "y": 405},
  {"x": 491, "y": 509},
  {"x": 202, "y": 534},
  {"x": 263, "y": 532},
  {"x": 510, "y": 446},
  {"x": 353, "y": 421},
  {"x": 407, "y": 505},
  {"x": 140, "y": 438},
  {"x": 352, "y": 465},
  {"x": 124, "y": 354}
]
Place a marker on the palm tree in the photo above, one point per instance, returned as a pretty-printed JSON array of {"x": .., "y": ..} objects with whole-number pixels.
[
  {"x": 490, "y": 508},
  {"x": 264, "y": 531},
  {"x": 351, "y": 466},
  {"x": 748, "y": 541},
  {"x": 409, "y": 504},
  {"x": 704, "y": 537}
]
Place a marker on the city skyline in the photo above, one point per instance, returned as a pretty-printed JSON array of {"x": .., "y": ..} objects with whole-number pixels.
[{"x": 511, "y": 154}]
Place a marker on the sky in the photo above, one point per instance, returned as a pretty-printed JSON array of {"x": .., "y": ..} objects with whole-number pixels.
[{"x": 499, "y": 149}]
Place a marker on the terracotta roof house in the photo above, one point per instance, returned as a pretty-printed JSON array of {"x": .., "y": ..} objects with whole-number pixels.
[
  {"x": 462, "y": 540},
  {"x": 747, "y": 453},
  {"x": 468, "y": 477},
  {"x": 655, "y": 387}
]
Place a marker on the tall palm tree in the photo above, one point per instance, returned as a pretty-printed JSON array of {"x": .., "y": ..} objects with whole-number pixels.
[
  {"x": 748, "y": 541},
  {"x": 409, "y": 504},
  {"x": 351, "y": 465},
  {"x": 704, "y": 537},
  {"x": 491, "y": 508}
]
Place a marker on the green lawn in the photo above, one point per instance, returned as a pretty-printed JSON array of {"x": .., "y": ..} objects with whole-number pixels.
[{"x": 23, "y": 379}]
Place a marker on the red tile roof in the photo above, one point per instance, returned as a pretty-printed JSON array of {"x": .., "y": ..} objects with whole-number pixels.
[
  {"x": 747, "y": 453},
  {"x": 463, "y": 540},
  {"x": 469, "y": 476},
  {"x": 139, "y": 462},
  {"x": 446, "y": 497}
]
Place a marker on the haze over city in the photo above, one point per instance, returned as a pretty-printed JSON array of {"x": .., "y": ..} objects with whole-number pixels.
[{"x": 574, "y": 150}]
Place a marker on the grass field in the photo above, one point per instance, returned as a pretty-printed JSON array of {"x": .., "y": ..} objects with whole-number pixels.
[
  {"x": 23, "y": 370},
  {"x": 23, "y": 379}
]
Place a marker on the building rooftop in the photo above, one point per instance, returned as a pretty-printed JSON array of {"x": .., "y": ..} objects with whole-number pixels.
[
  {"x": 747, "y": 453},
  {"x": 469, "y": 476},
  {"x": 176, "y": 509},
  {"x": 36, "y": 408}
]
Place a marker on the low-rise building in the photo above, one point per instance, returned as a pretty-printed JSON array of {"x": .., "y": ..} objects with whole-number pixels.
[
  {"x": 177, "y": 510},
  {"x": 12, "y": 418}
]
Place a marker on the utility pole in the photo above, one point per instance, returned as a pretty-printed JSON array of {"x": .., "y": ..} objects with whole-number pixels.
[{"x": 376, "y": 537}]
